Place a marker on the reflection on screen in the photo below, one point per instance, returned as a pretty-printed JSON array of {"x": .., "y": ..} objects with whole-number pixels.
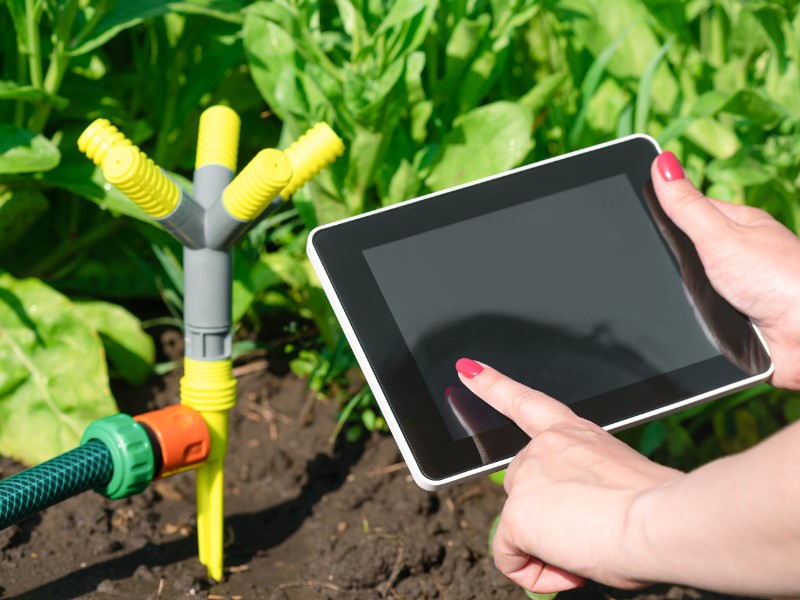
[{"x": 573, "y": 294}]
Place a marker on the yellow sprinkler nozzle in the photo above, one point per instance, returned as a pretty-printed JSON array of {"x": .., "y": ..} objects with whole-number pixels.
[
  {"x": 257, "y": 185},
  {"x": 313, "y": 151},
  {"x": 208, "y": 387},
  {"x": 141, "y": 180},
  {"x": 218, "y": 138},
  {"x": 98, "y": 138}
]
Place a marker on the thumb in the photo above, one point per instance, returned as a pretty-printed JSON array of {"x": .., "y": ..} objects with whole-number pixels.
[{"x": 688, "y": 208}]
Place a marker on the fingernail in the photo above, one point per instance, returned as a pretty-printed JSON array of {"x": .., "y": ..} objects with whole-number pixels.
[
  {"x": 669, "y": 166},
  {"x": 468, "y": 367}
]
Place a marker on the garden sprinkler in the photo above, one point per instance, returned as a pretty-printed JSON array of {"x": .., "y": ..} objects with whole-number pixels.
[{"x": 223, "y": 208}]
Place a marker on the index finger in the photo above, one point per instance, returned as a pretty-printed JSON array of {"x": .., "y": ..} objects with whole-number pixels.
[{"x": 533, "y": 411}]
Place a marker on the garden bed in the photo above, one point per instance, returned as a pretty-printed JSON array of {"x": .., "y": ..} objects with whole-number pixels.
[{"x": 306, "y": 519}]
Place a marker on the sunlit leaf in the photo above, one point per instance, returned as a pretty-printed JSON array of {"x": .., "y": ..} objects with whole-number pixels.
[
  {"x": 22, "y": 151},
  {"x": 127, "y": 14},
  {"x": 45, "y": 394},
  {"x": 130, "y": 350},
  {"x": 485, "y": 141}
]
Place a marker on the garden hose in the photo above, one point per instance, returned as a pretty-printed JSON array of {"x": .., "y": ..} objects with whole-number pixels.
[
  {"x": 118, "y": 457},
  {"x": 84, "y": 468}
]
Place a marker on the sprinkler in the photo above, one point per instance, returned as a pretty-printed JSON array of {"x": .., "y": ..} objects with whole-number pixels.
[{"x": 120, "y": 455}]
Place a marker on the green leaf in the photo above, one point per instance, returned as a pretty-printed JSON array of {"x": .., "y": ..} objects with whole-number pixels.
[
  {"x": 592, "y": 81},
  {"x": 791, "y": 409},
  {"x": 715, "y": 138},
  {"x": 369, "y": 418},
  {"x": 653, "y": 436},
  {"x": 739, "y": 169},
  {"x": 18, "y": 16},
  {"x": 535, "y": 596},
  {"x": 128, "y": 14},
  {"x": 543, "y": 92},
  {"x": 130, "y": 350},
  {"x": 19, "y": 209},
  {"x": 87, "y": 181},
  {"x": 22, "y": 151},
  {"x": 53, "y": 377},
  {"x": 401, "y": 12},
  {"x": 271, "y": 56},
  {"x": 10, "y": 90},
  {"x": 499, "y": 477},
  {"x": 485, "y": 141},
  {"x": 646, "y": 88}
]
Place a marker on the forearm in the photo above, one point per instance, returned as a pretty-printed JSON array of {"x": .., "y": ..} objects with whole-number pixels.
[{"x": 732, "y": 525}]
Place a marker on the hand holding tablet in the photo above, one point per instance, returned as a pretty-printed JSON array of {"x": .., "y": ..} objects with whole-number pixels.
[
  {"x": 583, "y": 504},
  {"x": 567, "y": 276}
]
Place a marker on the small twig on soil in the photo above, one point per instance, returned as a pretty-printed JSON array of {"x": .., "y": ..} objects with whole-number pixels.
[
  {"x": 471, "y": 493},
  {"x": 160, "y": 588},
  {"x": 388, "y": 469},
  {"x": 296, "y": 584},
  {"x": 238, "y": 568},
  {"x": 259, "y": 412},
  {"x": 450, "y": 505},
  {"x": 253, "y": 367},
  {"x": 306, "y": 416},
  {"x": 398, "y": 563}
]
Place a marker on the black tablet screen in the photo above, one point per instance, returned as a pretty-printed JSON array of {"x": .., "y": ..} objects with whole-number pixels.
[{"x": 574, "y": 294}]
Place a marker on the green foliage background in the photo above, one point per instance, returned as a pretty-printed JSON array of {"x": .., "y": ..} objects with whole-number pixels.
[{"x": 426, "y": 94}]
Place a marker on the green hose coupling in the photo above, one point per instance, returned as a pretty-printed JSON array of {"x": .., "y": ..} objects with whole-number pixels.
[{"x": 131, "y": 454}]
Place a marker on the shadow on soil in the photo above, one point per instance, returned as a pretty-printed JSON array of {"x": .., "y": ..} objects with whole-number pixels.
[{"x": 253, "y": 532}]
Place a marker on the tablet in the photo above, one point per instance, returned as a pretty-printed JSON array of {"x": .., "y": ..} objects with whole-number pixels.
[{"x": 566, "y": 275}]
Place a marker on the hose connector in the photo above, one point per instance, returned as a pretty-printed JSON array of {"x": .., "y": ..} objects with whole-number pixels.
[
  {"x": 131, "y": 454},
  {"x": 310, "y": 153},
  {"x": 98, "y": 138},
  {"x": 181, "y": 435},
  {"x": 257, "y": 185},
  {"x": 218, "y": 138},
  {"x": 141, "y": 180}
]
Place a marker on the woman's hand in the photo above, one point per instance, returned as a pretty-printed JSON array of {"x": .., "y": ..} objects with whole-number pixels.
[
  {"x": 569, "y": 492},
  {"x": 751, "y": 260}
]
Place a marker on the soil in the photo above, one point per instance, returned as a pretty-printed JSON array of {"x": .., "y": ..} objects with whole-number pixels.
[{"x": 305, "y": 519}]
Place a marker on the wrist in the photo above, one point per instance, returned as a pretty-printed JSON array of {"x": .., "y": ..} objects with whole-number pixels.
[{"x": 644, "y": 559}]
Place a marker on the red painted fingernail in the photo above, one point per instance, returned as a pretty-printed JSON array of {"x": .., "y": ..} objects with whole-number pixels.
[
  {"x": 468, "y": 367},
  {"x": 669, "y": 166}
]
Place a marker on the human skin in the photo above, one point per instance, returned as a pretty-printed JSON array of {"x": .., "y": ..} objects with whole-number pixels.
[{"x": 581, "y": 504}]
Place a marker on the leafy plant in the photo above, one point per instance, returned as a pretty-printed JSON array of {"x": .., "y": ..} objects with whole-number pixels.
[
  {"x": 42, "y": 334},
  {"x": 431, "y": 94}
]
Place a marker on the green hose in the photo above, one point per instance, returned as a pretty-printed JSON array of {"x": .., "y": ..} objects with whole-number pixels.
[{"x": 87, "y": 467}]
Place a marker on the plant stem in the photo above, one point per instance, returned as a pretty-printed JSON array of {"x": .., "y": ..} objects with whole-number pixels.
[
  {"x": 19, "y": 105},
  {"x": 65, "y": 251},
  {"x": 59, "y": 59},
  {"x": 32, "y": 16}
]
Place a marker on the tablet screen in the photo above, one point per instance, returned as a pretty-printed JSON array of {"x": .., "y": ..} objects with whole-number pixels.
[
  {"x": 566, "y": 275},
  {"x": 548, "y": 291}
]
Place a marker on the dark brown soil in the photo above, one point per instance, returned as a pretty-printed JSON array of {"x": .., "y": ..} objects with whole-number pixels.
[{"x": 305, "y": 520}]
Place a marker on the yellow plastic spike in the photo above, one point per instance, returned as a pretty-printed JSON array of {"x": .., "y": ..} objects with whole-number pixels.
[
  {"x": 209, "y": 388},
  {"x": 141, "y": 180},
  {"x": 257, "y": 185},
  {"x": 218, "y": 138},
  {"x": 313, "y": 151},
  {"x": 98, "y": 138}
]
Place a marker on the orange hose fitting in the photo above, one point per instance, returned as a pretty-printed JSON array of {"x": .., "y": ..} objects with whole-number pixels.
[{"x": 182, "y": 434}]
